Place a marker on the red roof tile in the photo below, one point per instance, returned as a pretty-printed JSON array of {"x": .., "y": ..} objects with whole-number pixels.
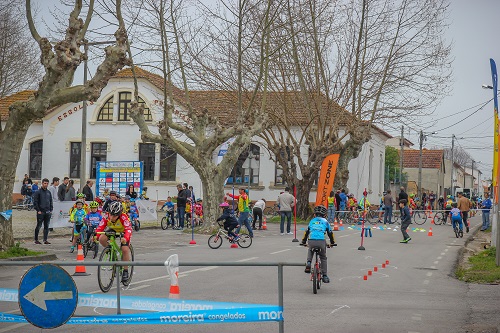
[
  {"x": 6, "y": 101},
  {"x": 431, "y": 159}
]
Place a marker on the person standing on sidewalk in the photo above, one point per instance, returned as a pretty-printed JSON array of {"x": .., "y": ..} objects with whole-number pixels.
[
  {"x": 53, "y": 189},
  {"x": 181, "y": 205},
  {"x": 388, "y": 203},
  {"x": 485, "y": 209},
  {"x": 464, "y": 206},
  {"x": 244, "y": 209},
  {"x": 43, "y": 205},
  {"x": 87, "y": 190},
  {"x": 286, "y": 201},
  {"x": 61, "y": 190}
]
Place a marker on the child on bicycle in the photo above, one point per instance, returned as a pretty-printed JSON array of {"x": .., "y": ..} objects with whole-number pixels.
[
  {"x": 170, "y": 210},
  {"x": 133, "y": 211},
  {"x": 230, "y": 221},
  {"x": 316, "y": 234},
  {"x": 93, "y": 218},
  {"x": 77, "y": 217},
  {"x": 456, "y": 217},
  {"x": 198, "y": 210}
]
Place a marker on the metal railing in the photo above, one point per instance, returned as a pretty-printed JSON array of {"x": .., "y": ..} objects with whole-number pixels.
[{"x": 118, "y": 264}]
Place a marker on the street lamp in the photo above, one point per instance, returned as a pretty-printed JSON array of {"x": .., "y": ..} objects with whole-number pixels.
[{"x": 421, "y": 139}]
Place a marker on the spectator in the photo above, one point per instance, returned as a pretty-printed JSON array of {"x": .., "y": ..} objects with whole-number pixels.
[
  {"x": 486, "y": 206},
  {"x": 244, "y": 209},
  {"x": 286, "y": 201},
  {"x": 191, "y": 190},
  {"x": 331, "y": 207},
  {"x": 43, "y": 206},
  {"x": 34, "y": 187},
  {"x": 181, "y": 204},
  {"x": 70, "y": 194},
  {"x": 53, "y": 189},
  {"x": 343, "y": 201},
  {"x": 130, "y": 192},
  {"x": 61, "y": 191},
  {"x": 87, "y": 190},
  {"x": 388, "y": 203},
  {"x": 464, "y": 206},
  {"x": 27, "y": 178},
  {"x": 405, "y": 220},
  {"x": 432, "y": 199},
  {"x": 24, "y": 188},
  {"x": 338, "y": 199},
  {"x": 402, "y": 196},
  {"x": 258, "y": 209}
]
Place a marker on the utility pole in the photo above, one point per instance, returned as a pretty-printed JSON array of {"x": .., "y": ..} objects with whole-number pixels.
[
  {"x": 452, "y": 192},
  {"x": 472, "y": 185},
  {"x": 401, "y": 144},
  {"x": 421, "y": 139}
]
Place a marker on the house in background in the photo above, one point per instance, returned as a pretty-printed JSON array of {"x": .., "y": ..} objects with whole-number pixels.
[{"x": 433, "y": 169}]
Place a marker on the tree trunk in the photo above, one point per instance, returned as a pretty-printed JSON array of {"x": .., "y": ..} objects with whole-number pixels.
[
  {"x": 303, "y": 207},
  {"x": 10, "y": 150},
  {"x": 350, "y": 151}
]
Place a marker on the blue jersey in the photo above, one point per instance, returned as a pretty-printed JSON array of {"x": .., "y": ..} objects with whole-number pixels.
[
  {"x": 78, "y": 215},
  {"x": 455, "y": 214},
  {"x": 94, "y": 218},
  {"x": 317, "y": 228},
  {"x": 170, "y": 205}
]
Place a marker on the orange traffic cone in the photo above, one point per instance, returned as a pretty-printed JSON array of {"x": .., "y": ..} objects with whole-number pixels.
[
  {"x": 264, "y": 223},
  {"x": 80, "y": 270},
  {"x": 335, "y": 226},
  {"x": 174, "y": 287},
  {"x": 432, "y": 221},
  {"x": 341, "y": 224},
  {"x": 430, "y": 232}
]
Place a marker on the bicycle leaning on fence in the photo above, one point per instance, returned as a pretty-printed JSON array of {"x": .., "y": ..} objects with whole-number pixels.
[{"x": 215, "y": 241}]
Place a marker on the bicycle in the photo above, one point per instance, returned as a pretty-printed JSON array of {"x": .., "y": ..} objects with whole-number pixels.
[
  {"x": 271, "y": 211},
  {"x": 215, "y": 241},
  {"x": 113, "y": 252},
  {"x": 419, "y": 217},
  {"x": 26, "y": 203},
  {"x": 82, "y": 239},
  {"x": 167, "y": 221},
  {"x": 458, "y": 232},
  {"x": 90, "y": 244},
  {"x": 316, "y": 273},
  {"x": 440, "y": 218},
  {"x": 136, "y": 224}
]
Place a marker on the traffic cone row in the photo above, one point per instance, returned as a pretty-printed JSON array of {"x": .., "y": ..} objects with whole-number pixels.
[
  {"x": 375, "y": 269},
  {"x": 80, "y": 270}
]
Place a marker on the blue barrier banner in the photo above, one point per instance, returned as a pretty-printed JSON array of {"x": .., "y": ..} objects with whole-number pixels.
[{"x": 261, "y": 314}]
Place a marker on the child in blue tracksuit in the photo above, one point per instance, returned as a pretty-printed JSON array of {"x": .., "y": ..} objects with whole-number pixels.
[
  {"x": 229, "y": 218},
  {"x": 456, "y": 217},
  {"x": 170, "y": 210},
  {"x": 93, "y": 218},
  {"x": 405, "y": 220}
]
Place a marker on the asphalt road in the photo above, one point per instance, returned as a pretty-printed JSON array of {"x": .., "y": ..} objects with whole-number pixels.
[{"x": 414, "y": 293}]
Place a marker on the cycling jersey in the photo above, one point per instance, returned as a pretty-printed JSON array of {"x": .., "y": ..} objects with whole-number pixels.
[
  {"x": 317, "y": 228},
  {"x": 77, "y": 216},
  {"x": 121, "y": 225},
  {"x": 94, "y": 218},
  {"x": 455, "y": 214},
  {"x": 331, "y": 201},
  {"x": 86, "y": 208},
  {"x": 133, "y": 211}
]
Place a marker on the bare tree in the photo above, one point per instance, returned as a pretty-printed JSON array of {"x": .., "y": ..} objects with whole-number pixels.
[
  {"x": 350, "y": 65},
  {"x": 59, "y": 60},
  {"x": 211, "y": 55},
  {"x": 19, "y": 63}
]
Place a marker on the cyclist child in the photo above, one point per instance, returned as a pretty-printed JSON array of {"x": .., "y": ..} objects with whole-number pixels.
[
  {"x": 316, "y": 234},
  {"x": 456, "y": 217},
  {"x": 230, "y": 221},
  {"x": 118, "y": 222},
  {"x": 78, "y": 218},
  {"x": 170, "y": 210},
  {"x": 198, "y": 210},
  {"x": 93, "y": 218},
  {"x": 352, "y": 203},
  {"x": 133, "y": 211}
]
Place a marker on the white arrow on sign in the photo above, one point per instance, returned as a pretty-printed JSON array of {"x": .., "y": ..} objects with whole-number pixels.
[{"x": 38, "y": 296}]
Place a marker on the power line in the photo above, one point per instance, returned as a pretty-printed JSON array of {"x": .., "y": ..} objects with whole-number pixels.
[{"x": 458, "y": 122}]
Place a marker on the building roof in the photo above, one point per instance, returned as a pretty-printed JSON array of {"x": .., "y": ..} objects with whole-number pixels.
[
  {"x": 6, "y": 101},
  {"x": 431, "y": 159}
]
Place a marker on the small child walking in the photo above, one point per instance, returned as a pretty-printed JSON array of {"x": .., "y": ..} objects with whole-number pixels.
[{"x": 405, "y": 220}]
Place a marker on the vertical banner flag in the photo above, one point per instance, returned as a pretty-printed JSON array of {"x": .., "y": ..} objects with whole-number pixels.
[
  {"x": 326, "y": 178},
  {"x": 494, "y": 77}
]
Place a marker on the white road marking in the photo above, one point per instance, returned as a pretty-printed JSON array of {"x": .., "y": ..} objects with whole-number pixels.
[
  {"x": 247, "y": 259},
  {"x": 422, "y": 291},
  {"x": 443, "y": 253},
  {"x": 350, "y": 277},
  {"x": 445, "y": 250},
  {"x": 416, "y": 318},
  {"x": 429, "y": 274},
  {"x": 280, "y": 251},
  {"x": 436, "y": 262},
  {"x": 340, "y": 307},
  {"x": 140, "y": 287},
  {"x": 439, "y": 258},
  {"x": 426, "y": 282}
]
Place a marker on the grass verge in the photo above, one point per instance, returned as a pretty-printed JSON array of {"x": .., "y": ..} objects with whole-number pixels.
[
  {"x": 482, "y": 268},
  {"x": 18, "y": 251}
]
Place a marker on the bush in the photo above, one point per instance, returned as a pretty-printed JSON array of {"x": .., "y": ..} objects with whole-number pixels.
[{"x": 18, "y": 251}]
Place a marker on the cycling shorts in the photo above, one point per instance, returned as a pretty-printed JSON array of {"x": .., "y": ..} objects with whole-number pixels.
[{"x": 77, "y": 229}]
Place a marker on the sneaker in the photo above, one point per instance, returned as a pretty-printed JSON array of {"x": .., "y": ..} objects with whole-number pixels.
[
  {"x": 289, "y": 233},
  {"x": 235, "y": 239},
  {"x": 282, "y": 234},
  {"x": 46, "y": 243},
  {"x": 308, "y": 267},
  {"x": 37, "y": 242},
  {"x": 404, "y": 241},
  {"x": 408, "y": 239},
  {"x": 326, "y": 279},
  {"x": 72, "y": 249},
  {"x": 124, "y": 276}
]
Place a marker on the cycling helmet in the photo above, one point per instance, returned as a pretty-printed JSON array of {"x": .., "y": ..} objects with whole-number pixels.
[
  {"x": 127, "y": 197},
  {"x": 94, "y": 204},
  {"x": 198, "y": 200},
  {"x": 79, "y": 202},
  {"x": 448, "y": 196},
  {"x": 320, "y": 210},
  {"x": 351, "y": 195},
  {"x": 115, "y": 208},
  {"x": 80, "y": 195},
  {"x": 412, "y": 195},
  {"x": 224, "y": 205}
]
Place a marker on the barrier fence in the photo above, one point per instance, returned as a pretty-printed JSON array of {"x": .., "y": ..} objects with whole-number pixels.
[{"x": 256, "y": 312}]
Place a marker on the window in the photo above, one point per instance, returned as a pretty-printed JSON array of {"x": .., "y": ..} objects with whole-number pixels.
[
  {"x": 168, "y": 163},
  {"x": 35, "y": 167},
  {"x": 246, "y": 169},
  {"x": 106, "y": 112},
  {"x": 125, "y": 98},
  {"x": 147, "y": 156},
  {"x": 278, "y": 179},
  {"x": 75, "y": 157},
  {"x": 98, "y": 154}
]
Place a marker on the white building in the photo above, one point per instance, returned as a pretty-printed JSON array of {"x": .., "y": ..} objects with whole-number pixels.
[{"x": 52, "y": 146}]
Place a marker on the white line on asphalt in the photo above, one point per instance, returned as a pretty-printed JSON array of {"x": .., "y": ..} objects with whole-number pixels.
[
  {"x": 436, "y": 262},
  {"x": 280, "y": 251},
  {"x": 426, "y": 282},
  {"x": 434, "y": 266},
  {"x": 10, "y": 328},
  {"x": 445, "y": 250},
  {"x": 247, "y": 259},
  {"x": 429, "y": 274},
  {"x": 416, "y": 317},
  {"x": 422, "y": 291},
  {"x": 140, "y": 287},
  {"x": 350, "y": 277},
  {"x": 439, "y": 258},
  {"x": 443, "y": 253},
  {"x": 340, "y": 307}
]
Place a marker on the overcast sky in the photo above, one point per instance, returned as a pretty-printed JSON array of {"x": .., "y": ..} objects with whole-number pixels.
[{"x": 474, "y": 30}]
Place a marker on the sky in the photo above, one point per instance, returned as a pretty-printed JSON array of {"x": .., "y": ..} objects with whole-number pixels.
[{"x": 474, "y": 32}]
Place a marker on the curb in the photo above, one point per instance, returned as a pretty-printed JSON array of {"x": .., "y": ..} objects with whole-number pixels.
[{"x": 42, "y": 257}]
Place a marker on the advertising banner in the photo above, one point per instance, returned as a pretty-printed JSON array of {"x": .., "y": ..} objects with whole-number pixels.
[
  {"x": 326, "y": 179},
  {"x": 117, "y": 176}
]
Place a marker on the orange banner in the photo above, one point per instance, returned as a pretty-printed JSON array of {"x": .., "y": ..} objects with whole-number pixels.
[{"x": 326, "y": 178}]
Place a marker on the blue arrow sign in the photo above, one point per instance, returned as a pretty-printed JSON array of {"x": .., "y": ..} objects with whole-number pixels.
[{"x": 47, "y": 296}]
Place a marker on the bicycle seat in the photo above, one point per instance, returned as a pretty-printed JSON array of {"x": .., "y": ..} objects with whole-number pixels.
[{"x": 316, "y": 249}]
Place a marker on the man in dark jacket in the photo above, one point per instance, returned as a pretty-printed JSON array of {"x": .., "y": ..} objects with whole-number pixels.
[
  {"x": 43, "y": 204},
  {"x": 402, "y": 196},
  {"x": 181, "y": 204},
  {"x": 87, "y": 190},
  {"x": 61, "y": 190}
]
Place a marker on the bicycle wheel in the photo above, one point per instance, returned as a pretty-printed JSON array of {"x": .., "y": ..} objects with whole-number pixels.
[
  {"x": 371, "y": 217},
  {"x": 320, "y": 276},
  {"x": 457, "y": 232},
  {"x": 245, "y": 241},
  {"x": 130, "y": 268},
  {"x": 96, "y": 250},
  {"x": 438, "y": 218},
  {"x": 215, "y": 241},
  {"x": 419, "y": 217},
  {"x": 268, "y": 211},
  {"x": 30, "y": 207},
  {"x": 315, "y": 279},
  {"x": 106, "y": 273},
  {"x": 137, "y": 225},
  {"x": 164, "y": 223}
]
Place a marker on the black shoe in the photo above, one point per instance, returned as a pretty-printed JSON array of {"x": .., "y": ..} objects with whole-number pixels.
[
  {"x": 326, "y": 279},
  {"x": 46, "y": 242},
  {"x": 308, "y": 267},
  {"x": 124, "y": 276},
  {"x": 51, "y": 229},
  {"x": 37, "y": 242},
  {"x": 467, "y": 229}
]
